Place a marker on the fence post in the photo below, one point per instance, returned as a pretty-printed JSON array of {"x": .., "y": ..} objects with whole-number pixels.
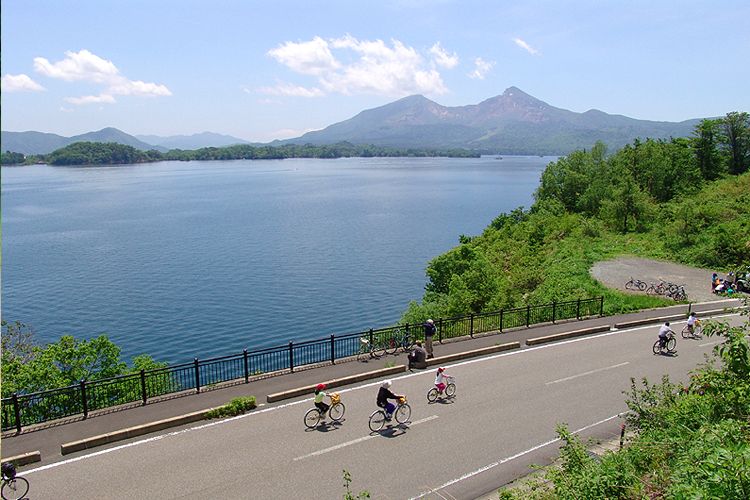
[
  {"x": 528, "y": 314},
  {"x": 333, "y": 350},
  {"x": 144, "y": 395},
  {"x": 84, "y": 400},
  {"x": 197, "y": 375},
  {"x": 247, "y": 365},
  {"x": 371, "y": 339},
  {"x": 17, "y": 411},
  {"x": 471, "y": 325},
  {"x": 578, "y": 309},
  {"x": 690, "y": 308},
  {"x": 554, "y": 311},
  {"x": 440, "y": 330},
  {"x": 601, "y": 306},
  {"x": 501, "y": 320},
  {"x": 291, "y": 356}
]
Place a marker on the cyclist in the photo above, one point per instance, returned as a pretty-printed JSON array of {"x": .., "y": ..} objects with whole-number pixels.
[
  {"x": 384, "y": 394},
  {"x": 664, "y": 334},
  {"x": 692, "y": 322},
  {"x": 8, "y": 471},
  {"x": 319, "y": 396},
  {"x": 440, "y": 379}
]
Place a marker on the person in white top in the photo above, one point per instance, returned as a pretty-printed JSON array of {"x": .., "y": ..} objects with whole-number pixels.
[
  {"x": 441, "y": 379},
  {"x": 663, "y": 333},
  {"x": 692, "y": 322}
]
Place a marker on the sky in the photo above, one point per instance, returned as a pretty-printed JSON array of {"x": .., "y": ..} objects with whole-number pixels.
[{"x": 264, "y": 70}]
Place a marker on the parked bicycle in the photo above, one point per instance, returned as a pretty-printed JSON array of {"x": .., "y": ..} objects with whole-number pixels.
[
  {"x": 335, "y": 412},
  {"x": 14, "y": 487},
  {"x": 402, "y": 413},
  {"x": 400, "y": 339},
  {"x": 368, "y": 350},
  {"x": 636, "y": 284},
  {"x": 449, "y": 392},
  {"x": 670, "y": 345}
]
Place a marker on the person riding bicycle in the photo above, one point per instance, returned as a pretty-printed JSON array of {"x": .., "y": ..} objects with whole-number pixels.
[
  {"x": 440, "y": 379},
  {"x": 384, "y": 394},
  {"x": 692, "y": 322},
  {"x": 664, "y": 332},
  {"x": 319, "y": 396}
]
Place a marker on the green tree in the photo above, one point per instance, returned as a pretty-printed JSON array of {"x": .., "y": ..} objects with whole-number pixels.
[
  {"x": 706, "y": 147},
  {"x": 627, "y": 204},
  {"x": 736, "y": 135}
]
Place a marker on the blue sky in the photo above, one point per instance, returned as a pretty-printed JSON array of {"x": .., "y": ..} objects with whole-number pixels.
[{"x": 262, "y": 70}]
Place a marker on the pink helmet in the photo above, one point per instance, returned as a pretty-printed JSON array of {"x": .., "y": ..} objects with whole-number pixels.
[
  {"x": 441, "y": 369},
  {"x": 320, "y": 387}
]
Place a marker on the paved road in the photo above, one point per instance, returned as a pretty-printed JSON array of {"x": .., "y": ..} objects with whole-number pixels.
[{"x": 506, "y": 409}]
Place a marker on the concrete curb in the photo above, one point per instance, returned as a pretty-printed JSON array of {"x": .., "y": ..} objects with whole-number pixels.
[
  {"x": 567, "y": 335},
  {"x": 473, "y": 353},
  {"x": 138, "y": 430},
  {"x": 673, "y": 317},
  {"x": 308, "y": 389},
  {"x": 25, "y": 459}
]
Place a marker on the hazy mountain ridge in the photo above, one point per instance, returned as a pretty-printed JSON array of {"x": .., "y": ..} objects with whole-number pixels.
[
  {"x": 193, "y": 141},
  {"x": 42, "y": 143},
  {"x": 512, "y": 123}
]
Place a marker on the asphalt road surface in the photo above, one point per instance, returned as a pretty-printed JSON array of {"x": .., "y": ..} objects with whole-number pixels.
[{"x": 502, "y": 419}]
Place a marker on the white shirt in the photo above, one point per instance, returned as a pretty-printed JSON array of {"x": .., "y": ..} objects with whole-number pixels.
[
  {"x": 664, "y": 330},
  {"x": 692, "y": 320},
  {"x": 440, "y": 378}
]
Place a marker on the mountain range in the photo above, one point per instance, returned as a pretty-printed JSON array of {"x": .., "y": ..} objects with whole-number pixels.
[{"x": 511, "y": 123}]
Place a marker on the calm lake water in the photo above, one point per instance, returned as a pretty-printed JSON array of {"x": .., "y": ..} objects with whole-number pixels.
[{"x": 180, "y": 260}]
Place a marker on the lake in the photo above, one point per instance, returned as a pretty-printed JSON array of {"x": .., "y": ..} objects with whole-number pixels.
[{"x": 197, "y": 259}]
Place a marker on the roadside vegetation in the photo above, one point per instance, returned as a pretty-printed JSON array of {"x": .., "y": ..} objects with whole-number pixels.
[
  {"x": 685, "y": 200},
  {"x": 690, "y": 441},
  {"x": 236, "y": 406}
]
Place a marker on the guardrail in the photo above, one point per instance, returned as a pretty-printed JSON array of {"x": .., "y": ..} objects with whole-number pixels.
[{"x": 21, "y": 410}]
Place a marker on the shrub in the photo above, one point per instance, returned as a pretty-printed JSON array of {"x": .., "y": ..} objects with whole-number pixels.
[{"x": 237, "y": 406}]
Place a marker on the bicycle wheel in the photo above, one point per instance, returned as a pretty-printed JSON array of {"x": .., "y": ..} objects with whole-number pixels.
[
  {"x": 450, "y": 390},
  {"x": 336, "y": 412},
  {"x": 15, "y": 488},
  {"x": 403, "y": 413},
  {"x": 391, "y": 345},
  {"x": 698, "y": 331},
  {"x": 432, "y": 395},
  {"x": 379, "y": 349},
  {"x": 651, "y": 290},
  {"x": 657, "y": 347},
  {"x": 642, "y": 286},
  {"x": 312, "y": 418},
  {"x": 377, "y": 420},
  {"x": 630, "y": 284},
  {"x": 685, "y": 332},
  {"x": 407, "y": 345},
  {"x": 671, "y": 344}
]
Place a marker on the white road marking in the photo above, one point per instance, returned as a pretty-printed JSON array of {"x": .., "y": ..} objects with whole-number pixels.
[
  {"x": 508, "y": 459},
  {"x": 587, "y": 373},
  {"x": 358, "y": 440},
  {"x": 294, "y": 403},
  {"x": 710, "y": 343}
]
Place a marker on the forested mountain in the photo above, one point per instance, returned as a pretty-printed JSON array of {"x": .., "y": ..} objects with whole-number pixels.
[
  {"x": 511, "y": 123},
  {"x": 40, "y": 143},
  {"x": 194, "y": 141}
]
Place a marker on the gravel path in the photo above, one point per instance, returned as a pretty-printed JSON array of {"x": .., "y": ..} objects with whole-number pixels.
[{"x": 614, "y": 274}]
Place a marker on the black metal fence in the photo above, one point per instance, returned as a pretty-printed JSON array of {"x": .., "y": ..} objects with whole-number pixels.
[{"x": 22, "y": 410}]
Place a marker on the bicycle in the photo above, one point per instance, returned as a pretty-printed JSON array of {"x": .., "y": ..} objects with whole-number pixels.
[
  {"x": 634, "y": 283},
  {"x": 399, "y": 340},
  {"x": 449, "y": 392},
  {"x": 696, "y": 333},
  {"x": 402, "y": 413},
  {"x": 366, "y": 350},
  {"x": 670, "y": 345},
  {"x": 335, "y": 411},
  {"x": 14, "y": 487}
]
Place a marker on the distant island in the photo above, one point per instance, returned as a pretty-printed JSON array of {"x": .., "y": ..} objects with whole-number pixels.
[{"x": 112, "y": 153}]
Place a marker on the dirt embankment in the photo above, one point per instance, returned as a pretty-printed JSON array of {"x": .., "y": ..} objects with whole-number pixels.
[{"x": 615, "y": 273}]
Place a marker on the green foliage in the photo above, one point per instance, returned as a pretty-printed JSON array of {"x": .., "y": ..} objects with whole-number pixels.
[
  {"x": 348, "y": 495},
  {"x": 99, "y": 153},
  {"x": 10, "y": 158},
  {"x": 236, "y": 406}
]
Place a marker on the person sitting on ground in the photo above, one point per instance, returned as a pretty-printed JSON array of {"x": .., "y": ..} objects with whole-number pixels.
[
  {"x": 441, "y": 379},
  {"x": 319, "y": 396},
  {"x": 664, "y": 334},
  {"x": 384, "y": 394},
  {"x": 714, "y": 281},
  {"x": 692, "y": 322},
  {"x": 418, "y": 356}
]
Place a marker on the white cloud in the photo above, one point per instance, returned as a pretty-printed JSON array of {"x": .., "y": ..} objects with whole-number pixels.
[
  {"x": 19, "y": 83},
  {"x": 481, "y": 68},
  {"x": 91, "y": 99},
  {"x": 373, "y": 68},
  {"x": 525, "y": 46},
  {"x": 288, "y": 89},
  {"x": 442, "y": 58},
  {"x": 88, "y": 67}
]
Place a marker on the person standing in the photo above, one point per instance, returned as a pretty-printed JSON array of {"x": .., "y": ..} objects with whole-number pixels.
[{"x": 429, "y": 332}]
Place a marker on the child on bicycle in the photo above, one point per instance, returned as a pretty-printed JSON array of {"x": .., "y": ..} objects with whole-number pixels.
[
  {"x": 441, "y": 379},
  {"x": 664, "y": 332},
  {"x": 319, "y": 396},
  {"x": 692, "y": 322},
  {"x": 384, "y": 394}
]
